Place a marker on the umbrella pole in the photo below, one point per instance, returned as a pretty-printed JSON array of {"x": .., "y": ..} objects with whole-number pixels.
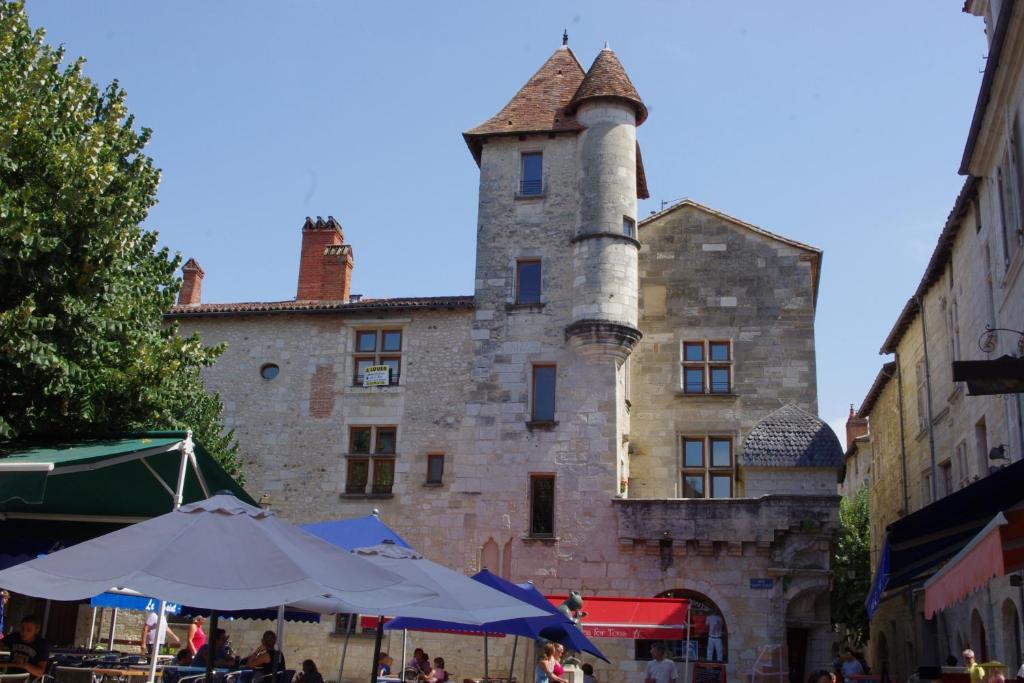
[
  {"x": 113, "y": 625},
  {"x": 405, "y": 644},
  {"x": 512, "y": 661},
  {"x": 486, "y": 673},
  {"x": 161, "y": 620},
  {"x": 344, "y": 648},
  {"x": 376, "y": 648},
  {"x": 92, "y": 629},
  {"x": 211, "y": 651},
  {"x": 280, "y": 642}
]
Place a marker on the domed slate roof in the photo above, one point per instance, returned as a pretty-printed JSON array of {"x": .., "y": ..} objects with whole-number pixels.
[
  {"x": 792, "y": 437},
  {"x": 607, "y": 79}
]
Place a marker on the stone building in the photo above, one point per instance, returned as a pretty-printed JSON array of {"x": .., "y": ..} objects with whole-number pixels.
[
  {"x": 857, "y": 474},
  {"x": 934, "y": 443},
  {"x": 623, "y": 407}
]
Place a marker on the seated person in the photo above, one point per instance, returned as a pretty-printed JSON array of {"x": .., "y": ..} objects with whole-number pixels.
[
  {"x": 221, "y": 648},
  {"x": 439, "y": 675},
  {"x": 309, "y": 673},
  {"x": 384, "y": 663},
  {"x": 266, "y": 655},
  {"x": 29, "y": 650},
  {"x": 183, "y": 658}
]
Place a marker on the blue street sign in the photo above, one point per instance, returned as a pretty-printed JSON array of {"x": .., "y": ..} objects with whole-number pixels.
[{"x": 761, "y": 584}]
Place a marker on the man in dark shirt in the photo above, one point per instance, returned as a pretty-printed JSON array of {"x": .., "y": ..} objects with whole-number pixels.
[
  {"x": 29, "y": 650},
  {"x": 222, "y": 655}
]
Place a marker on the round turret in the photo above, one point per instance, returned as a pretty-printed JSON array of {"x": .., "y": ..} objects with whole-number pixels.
[{"x": 605, "y": 269}]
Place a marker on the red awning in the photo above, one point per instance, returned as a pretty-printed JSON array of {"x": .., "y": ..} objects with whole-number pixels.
[
  {"x": 997, "y": 550},
  {"x": 636, "y": 618}
]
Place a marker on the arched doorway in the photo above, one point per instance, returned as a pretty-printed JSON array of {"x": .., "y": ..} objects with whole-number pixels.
[
  {"x": 979, "y": 641},
  {"x": 1011, "y": 653},
  {"x": 882, "y": 654},
  {"x": 709, "y": 635}
]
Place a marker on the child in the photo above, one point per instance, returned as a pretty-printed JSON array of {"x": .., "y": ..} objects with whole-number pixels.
[
  {"x": 439, "y": 675},
  {"x": 309, "y": 674}
]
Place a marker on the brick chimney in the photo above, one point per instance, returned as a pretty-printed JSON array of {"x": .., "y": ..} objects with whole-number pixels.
[
  {"x": 325, "y": 265},
  {"x": 855, "y": 427},
  {"x": 191, "y": 283}
]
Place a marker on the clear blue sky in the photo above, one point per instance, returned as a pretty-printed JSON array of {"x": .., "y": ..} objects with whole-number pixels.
[{"x": 837, "y": 124}]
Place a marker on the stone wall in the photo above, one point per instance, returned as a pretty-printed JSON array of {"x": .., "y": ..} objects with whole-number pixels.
[{"x": 706, "y": 277}]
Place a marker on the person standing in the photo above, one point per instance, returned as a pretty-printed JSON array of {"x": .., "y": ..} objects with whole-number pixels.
[
  {"x": 545, "y": 669},
  {"x": 5, "y": 597},
  {"x": 851, "y": 665},
  {"x": 559, "y": 655},
  {"x": 976, "y": 673},
  {"x": 153, "y": 631},
  {"x": 196, "y": 635},
  {"x": 29, "y": 650},
  {"x": 714, "y": 652},
  {"x": 659, "y": 669}
]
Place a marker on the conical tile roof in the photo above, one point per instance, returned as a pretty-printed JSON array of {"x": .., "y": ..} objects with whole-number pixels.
[
  {"x": 539, "y": 106},
  {"x": 607, "y": 78}
]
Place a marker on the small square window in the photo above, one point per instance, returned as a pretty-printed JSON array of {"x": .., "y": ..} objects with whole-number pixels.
[
  {"x": 693, "y": 351},
  {"x": 366, "y": 341},
  {"x": 628, "y": 227},
  {"x": 359, "y": 440},
  {"x": 720, "y": 381},
  {"x": 693, "y": 452},
  {"x": 694, "y": 380},
  {"x": 721, "y": 486},
  {"x": 391, "y": 340},
  {"x": 693, "y": 486},
  {"x": 528, "y": 282},
  {"x": 435, "y": 468},
  {"x": 394, "y": 366},
  {"x": 719, "y": 351},
  {"x": 385, "y": 440},
  {"x": 358, "y": 475},
  {"x": 383, "y": 475},
  {"x": 721, "y": 452}
]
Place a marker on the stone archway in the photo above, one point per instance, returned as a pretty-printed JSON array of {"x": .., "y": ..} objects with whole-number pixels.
[
  {"x": 709, "y": 635},
  {"x": 1010, "y": 632},
  {"x": 808, "y": 626},
  {"x": 979, "y": 639}
]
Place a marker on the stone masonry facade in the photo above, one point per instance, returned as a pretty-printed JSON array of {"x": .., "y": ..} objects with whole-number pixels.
[{"x": 652, "y": 494}]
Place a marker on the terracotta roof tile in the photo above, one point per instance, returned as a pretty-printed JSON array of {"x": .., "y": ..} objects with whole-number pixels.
[
  {"x": 607, "y": 78},
  {"x": 363, "y": 305},
  {"x": 539, "y": 106}
]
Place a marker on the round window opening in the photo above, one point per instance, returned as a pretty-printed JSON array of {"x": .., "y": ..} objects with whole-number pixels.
[{"x": 269, "y": 371}]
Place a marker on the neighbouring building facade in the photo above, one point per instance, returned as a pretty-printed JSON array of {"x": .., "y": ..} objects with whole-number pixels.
[
  {"x": 857, "y": 474},
  {"x": 623, "y": 407},
  {"x": 932, "y": 443}
]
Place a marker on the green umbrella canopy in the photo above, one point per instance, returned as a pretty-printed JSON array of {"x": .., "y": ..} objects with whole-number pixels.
[{"x": 123, "y": 478}]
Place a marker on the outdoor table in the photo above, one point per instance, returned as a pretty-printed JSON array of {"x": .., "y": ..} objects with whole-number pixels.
[
  {"x": 119, "y": 674},
  {"x": 13, "y": 678}
]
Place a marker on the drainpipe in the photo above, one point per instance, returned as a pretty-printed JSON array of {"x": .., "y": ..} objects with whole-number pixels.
[
  {"x": 903, "y": 440},
  {"x": 928, "y": 392}
]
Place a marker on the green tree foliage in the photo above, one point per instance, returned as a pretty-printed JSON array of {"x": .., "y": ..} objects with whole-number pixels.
[
  {"x": 83, "y": 287},
  {"x": 851, "y": 567}
]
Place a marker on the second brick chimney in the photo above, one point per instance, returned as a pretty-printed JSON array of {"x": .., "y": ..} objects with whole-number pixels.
[
  {"x": 855, "y": 427},
  {"x": 191, "y": 283},
  {"x": 325, "y": 264}
]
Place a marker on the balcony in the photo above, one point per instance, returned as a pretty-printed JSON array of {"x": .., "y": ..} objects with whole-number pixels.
[{"x": 531, "y": 188}]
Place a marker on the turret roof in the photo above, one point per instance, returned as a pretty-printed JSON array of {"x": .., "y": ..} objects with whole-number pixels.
[
  {"x": 539, "y": 106},
  {"x": 607, "y": 79},
  {"x": 792, "y": 437}
]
